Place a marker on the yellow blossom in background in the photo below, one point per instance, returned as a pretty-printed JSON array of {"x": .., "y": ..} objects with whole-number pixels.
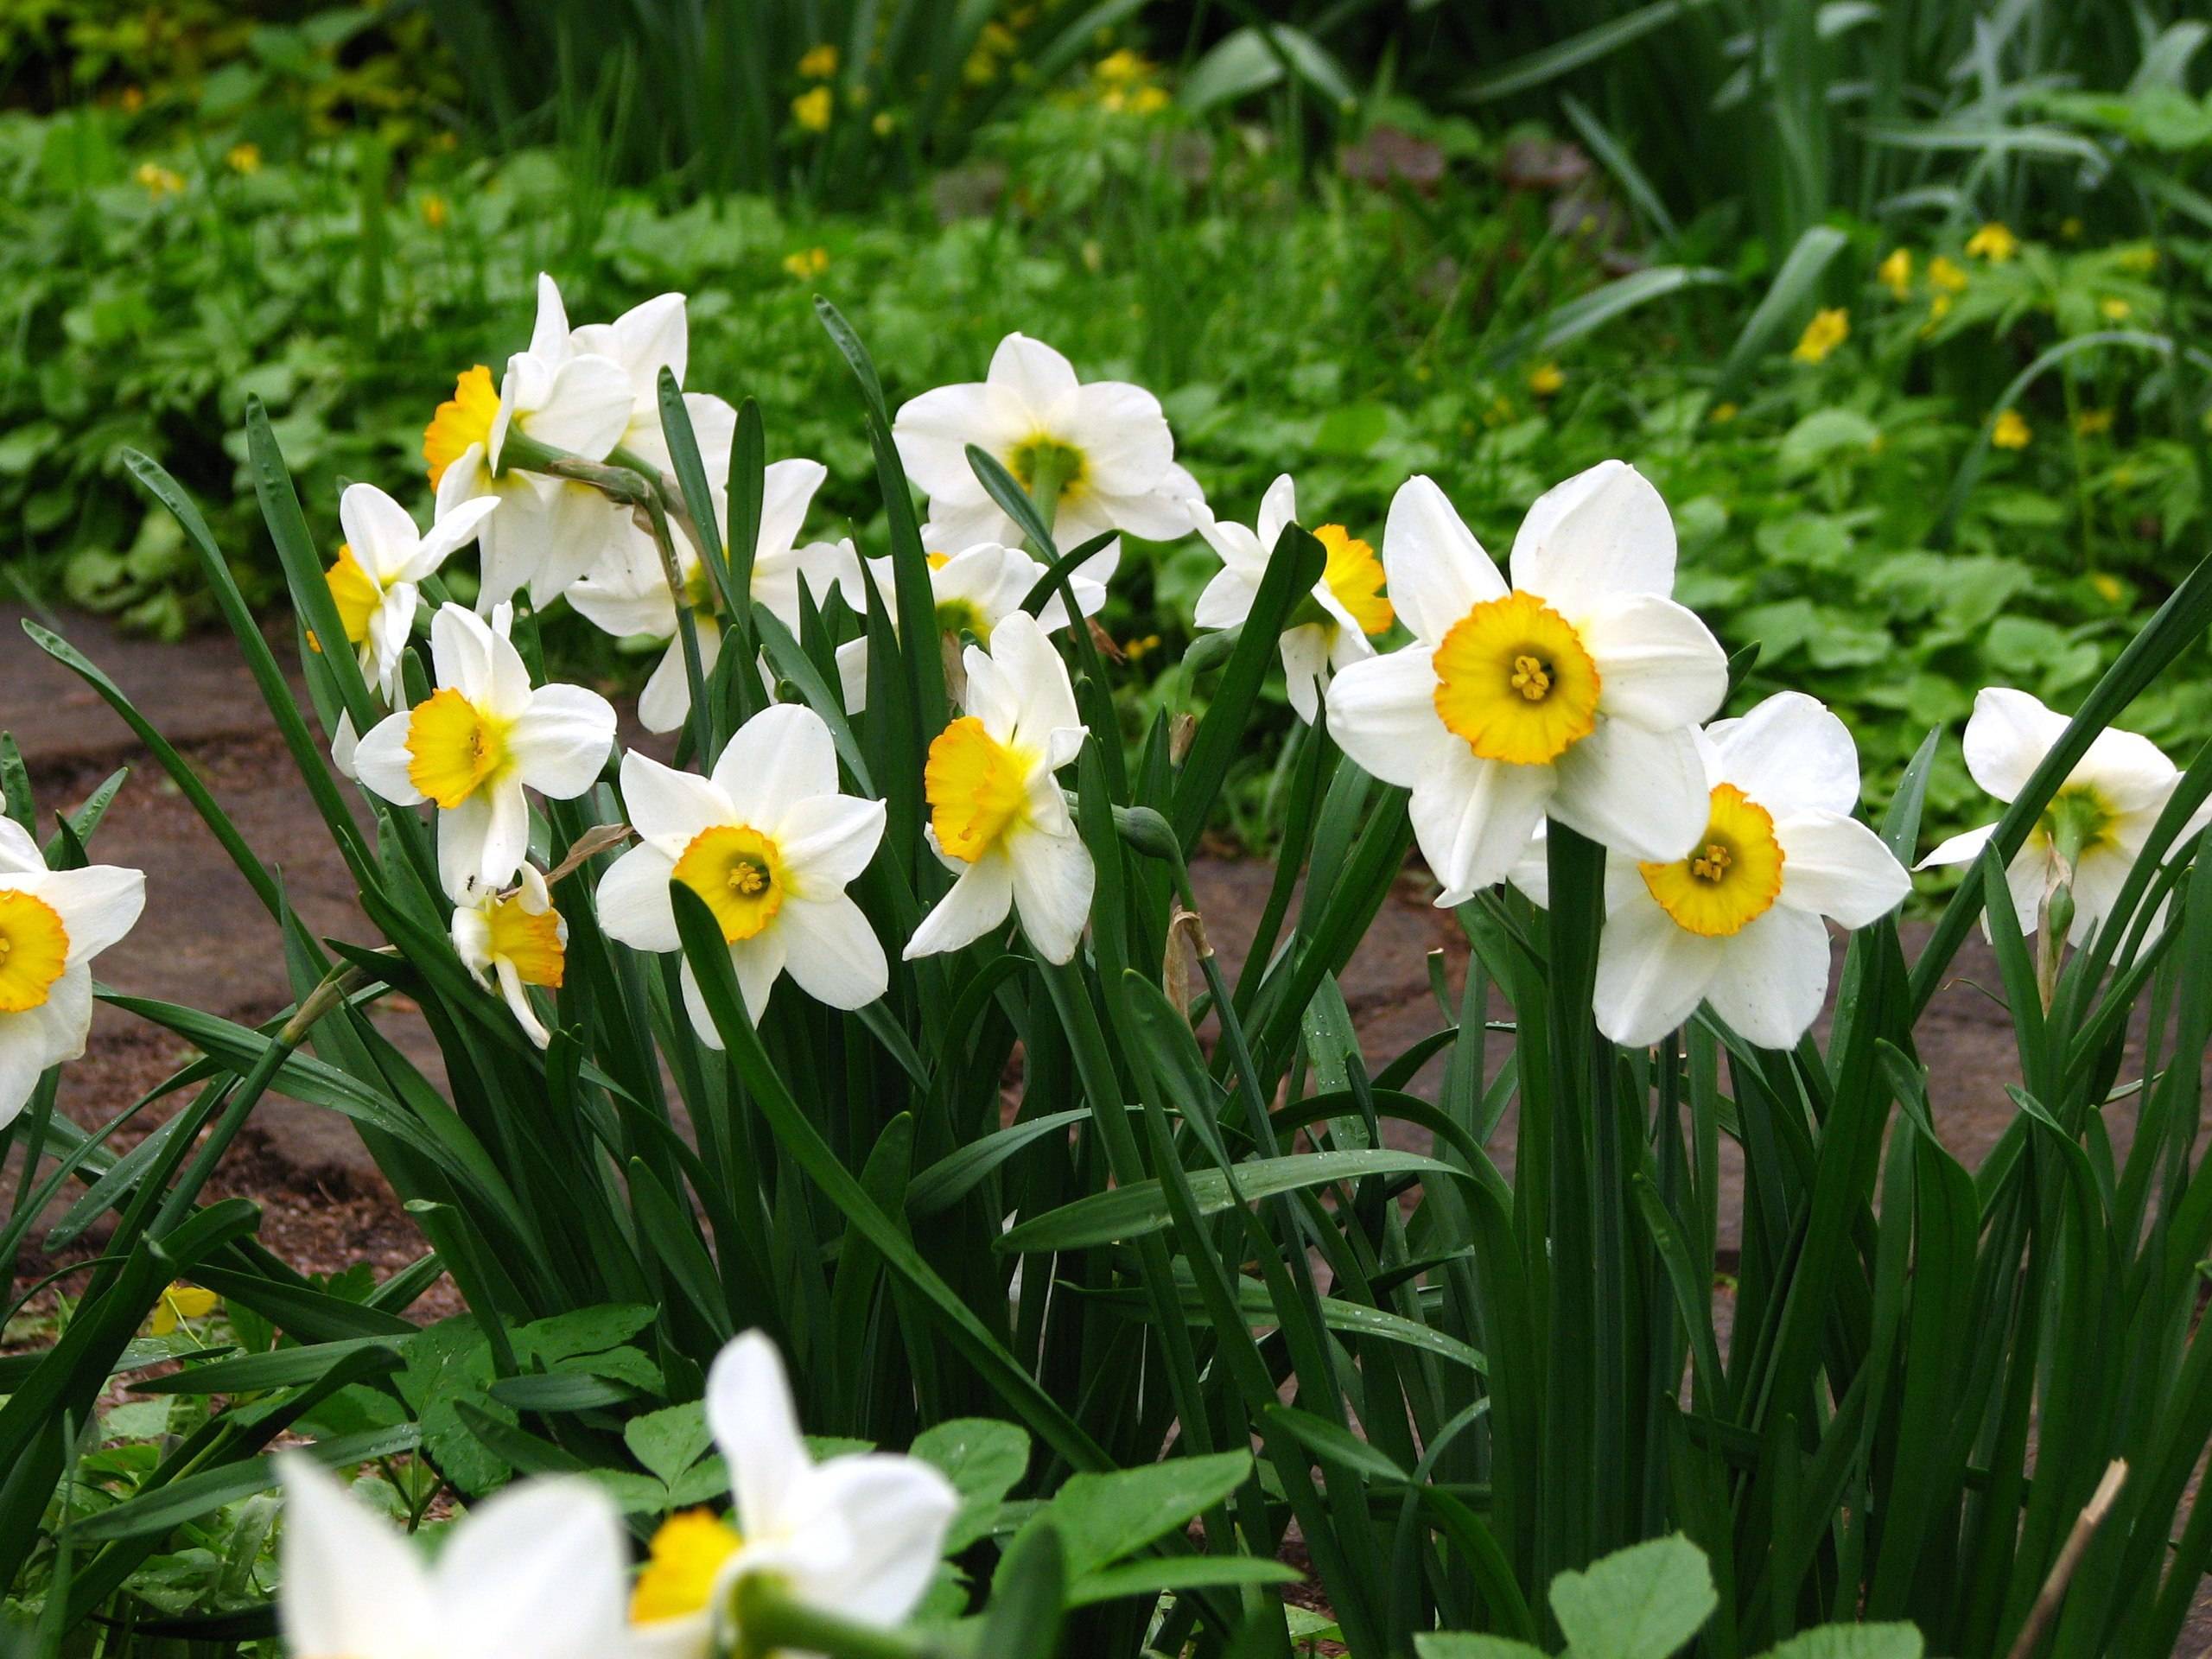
[
  {"x": 2113, "y": 309},
  {"x": 180, "y": 1302},
  {"x": 819, "y": 63},
  {"x": 2092, "y": 422},
  {"x": 1137, "y": 648},
  {"x": 2108, "y": 587},
  {"x": 159, "y": 181},
  {"x": 1148, "y": 100},
  {"x": 1499, "y": 412},
  {"x": 1938, "y": 309},
  {"x": 1122, "y": 68},
  {"x": 1993, "y": 242},
  {"x": 812, "y": 109},
  {"x": 244, "y": 158},
  {"x": 1829, "y": 329},
  {"x": 2139, "y": 260},
  {"x": 2070, "y": 228},
  {"x": 1946, "y": 275},
  {"x": 883, "y": 125},
  {"x": 1895, "y": 273},
  {"x": 133, "y": 99},
  {"x": 1723, "y": 413},
  {"x": 2011, "y": 432},
  {"x": 1545, "y": 380},
  {"x": 807, "y": 262},
  {"x": 435, "y": 212}
]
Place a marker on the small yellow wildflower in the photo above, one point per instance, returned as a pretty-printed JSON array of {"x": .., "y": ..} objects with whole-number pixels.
[
  {"x": 2090, "y": 422},
  {"x": 180, "y": 1302},
  {"x": 159, "y": 181},
  {"x": 884, "y": 124},
  {"x": 1829, "y": 329},
  {"x": 2011, "y": 432},
  {"x": 1938, "y": 309},
  {"x": 244, "y": 158},
  {"x": 1122, "y": 68},
  {"x": 1137, "y": 648},
  {"x": 2140, "y": 260},
  {"x": 1545, "y": 380},
  {"x": 2070, "y": 228},
  {"x": 1946, "y": 275},
  {"x": 1723, "y": 413},
  {"x": 1993, "y": 242},
  {"x": 2107, "y": 585},
  {"x": 812, "y": 109},
  {"x": 2113, "y": 309},
  {"x": 1895, "y": 273},
  {"x": 435, "y": 212},
  {"x": 820, "y": 62},
  {"x": 1148, "y": 100},
  {"x": 807, "y": 262},
  {"x": 133, "y": 99}
]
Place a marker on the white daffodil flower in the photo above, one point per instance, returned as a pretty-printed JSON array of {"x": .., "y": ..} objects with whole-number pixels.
[
  {"x": 769, "y": 842},
  {"x": 973, "y": 591},
  {"x": 1332, "y": 632},
  {"x": 628, "y": 593},
  {"x": 1105, "y": 447},
  {"x": 516, "y": 940},
  {"x": 644, "y": 339},
  {"x": 373, "y": 580},
  {"x": 996, "y": 813},
  {"x": 539, "y": 1569},
  {"x": 1735, "y": 921},
  {"x": 860, "y": 1536},
  {"x": 1575, "y": 692},
  {"x": 2093, "y": 829},
  {"x": 581, "y": 403},
  {"x": 476, "y": 742},
  {"x": 53, "y": 923}
]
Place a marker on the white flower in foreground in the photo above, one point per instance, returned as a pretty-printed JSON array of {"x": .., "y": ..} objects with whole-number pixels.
[
  {"x": 643, "y": 340},
  {"x": 1330, "y": 632},
  {"x": 553, "y": 530},
  {"x": 539, "y": 1569},
  {"x": 972, "y": 591},
  {"x": 476, "y": 742},
  {"x": 516, "y": 939},
  {"x": 859, "y": 1535},
  {"x": 1736, "y": 921},
  {"x": 1107, "y": 445},
  {"x": 2099, "y": 821},
  {"x": 770, "y": 843},
  {"x": 1574, "y": 693},
  {"x": 53, "y": 923},
  {"x": 996, "y": 813},
  {"x": 373, "y": 580},
  {"x": 628, "y": 593}
]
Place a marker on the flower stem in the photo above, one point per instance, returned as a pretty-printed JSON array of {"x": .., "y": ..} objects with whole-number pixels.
[
  {"x": 769, "y": 1622},
  {"x": 1049, "y": 477}
]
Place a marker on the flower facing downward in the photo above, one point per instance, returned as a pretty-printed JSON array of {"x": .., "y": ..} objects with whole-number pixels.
[
  {"x": 1104, "y": 448},
  {"x": 770, "y": 843},
  {"x": 384, "y": 556},
  {"x": 519, "y": 940},
  {"x": 540, "y": 1570},
  {"x": 1574, "y": 692},
  {"x": 53, "y": 923},
  {"x": 860, "y": 1536},
  {"x": 1328, "y": 632},
  {"x": 997, "y": 818},
  {"x": 1734, "y": 921},
  {"x": 2096, "y": 826},
  {"x": 473, "y": 745}
]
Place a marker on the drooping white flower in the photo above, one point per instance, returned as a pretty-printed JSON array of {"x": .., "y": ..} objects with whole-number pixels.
[
  {"x": 373, "y": 580},
  {"x": 53, "y": 923},
  {"x": 1333, "y": 631},
  {"x": 859, "y": 1535},
  {"x": 769, "y": 842},
  {"x": 1735, "y": 921},
  {"x": 538, "y": 1569},
  {"x": 552, "y": 529},
  {"x": 2099, "y": 820},
  {"x": 628, "y": 593},
  {"x": 1106, "y": 444},
  {"x": 997, "y": 817},
  {"x": 516, "y": 940},
  {"x": 476, "y": 742},
  {"x": 972, "y": 591},
  {"x": 1575, "y": 692}
]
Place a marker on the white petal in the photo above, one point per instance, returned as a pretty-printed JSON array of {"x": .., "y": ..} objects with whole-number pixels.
[
  {"x": 635, "y": 908},
  {"x": 1438, "y": 571},
  {"x": 1835, "y": 866},
  {"x": 785, "y": 754},
  {"x": 1651, "y": 973},
  {"x": 454, "y": 529},
  {"x": 351, "y": 1585},
  {"x": 1790, "y": 754},
  {"x": 665, "y": 702},
  {"x": 1657, "y": 663},
  {"x": 1278, "y": 507},
  {"x": 1383, "y": 714},
  {"x": 1034, "y": 375},
  {"x": 390, "y": 624},
  {"x": 1603, "y": 532},
  {"x": 1156, "y": 515},
  {"x": 894, "y": 1512},
  {"x": 1642, "y": 793},
  {"x": 381, "y": 760},
  {"x": 2130, "y": 772},
  {"x": 852, "y": 675},
  {"x": 831, "y": 952},
  {"x": 1037, "y": 678},
  {"x": 2006, "y": 739},
  {"x": 1473, "y": 818},
  {"x": 933, "y": 431},
  {"x": 19, "y": 854},
  {"x": 759, "y": 963},
  {"x": 539, "y": 1568},
  {"x": 1773, "y": 977},
  {"x": 1962, "y": 849},
  {"x": 1306, "y": 668},
  {"x": 47, "y": 1035},
  {"x": 98, "y": 904},
  {"x": 482, "y": 841},
  {"x": 1053, "y": 880},
  {"x": 578, "y": 528},
  {"x": 787, "y": 490},
  {"x": 2098, "y": 878},
  {"x": 344, "y": 743},
  {"x": 976, "y": 904},
  {"x": 379, "y": 532},
  {"x": 610, "y": 602},
  {"x": 586, "y": 409},
  {"x": 562, "y": 740},
  {"x": 1122, "y": 436},
  {"x": 1227, "y": 600},
  {"x": 826, "y": 840},
  {"x": 750, "y": 1411},
  {"x": 668, "y": 807},
  {"x": 549, "y": 334}
]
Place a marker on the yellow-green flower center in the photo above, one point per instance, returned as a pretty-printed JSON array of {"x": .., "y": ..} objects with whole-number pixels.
[
  {"x": 1731, "y": 877},
  {"x": 740, "y": 873}
]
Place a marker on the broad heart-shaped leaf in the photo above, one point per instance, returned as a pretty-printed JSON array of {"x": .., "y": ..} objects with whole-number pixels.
[
  {"x": 587, "y": 1331},
  {"x": 982, "y": 1458},
  {"x": 1103, "y": 1518},
  {"x": 669, "y": 1442},
  {"x": 1852, "y": 1642},
  {"x": 1469, "y": 1644},
  {"x": 1640, "y": 1603}
]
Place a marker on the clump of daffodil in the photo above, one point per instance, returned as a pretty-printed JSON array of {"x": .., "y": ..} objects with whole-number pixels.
[
  {"x": 2011, "y": 431},
  {"x": 1895, "y": 273},
  {"x": 1574, "y": 692},
  {"x": 1829, "y": 329},
  {"x": 1994, "y": 242},
  {"x": 515, "y": 940},
  {"x": 53, "y": 923},
  {"x": 1333, "y": 627},
  {"x": 814, "y": 109},
  {"x": 997, "y": 817},
  {"x": 373, "y": 582}
]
